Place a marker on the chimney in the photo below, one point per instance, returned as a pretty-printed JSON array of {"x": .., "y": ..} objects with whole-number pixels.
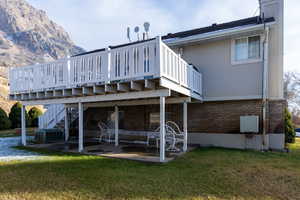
[{"x": 275, "y": 8}]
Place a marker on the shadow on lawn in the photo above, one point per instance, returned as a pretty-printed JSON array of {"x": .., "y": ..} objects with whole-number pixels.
[{"x": 202, "y": 173}]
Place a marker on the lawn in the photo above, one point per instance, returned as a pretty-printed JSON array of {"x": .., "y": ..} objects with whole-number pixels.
[
  {"x": 13, "y": 132},
  {"x": 202, "y": 174}
]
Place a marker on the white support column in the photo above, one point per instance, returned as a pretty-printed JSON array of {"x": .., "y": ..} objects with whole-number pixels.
[
  {"x": 116, "y": 126},
  {"x": 66, "y": 124},
  {"x": 162, "y": 129},
  {"x": 23, "y": 125},
  {"x": 185, "y": 126},
  {"x": 80, "y": 127}
]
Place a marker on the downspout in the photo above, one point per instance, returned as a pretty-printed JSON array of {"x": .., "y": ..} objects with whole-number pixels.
[{"x": 265, "y": 85}]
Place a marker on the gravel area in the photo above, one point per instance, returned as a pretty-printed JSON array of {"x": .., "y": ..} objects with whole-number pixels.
[{"x": 8, "y": 153}]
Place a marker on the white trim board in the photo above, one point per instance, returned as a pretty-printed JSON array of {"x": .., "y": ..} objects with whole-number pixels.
[
  {"x": 232, "y": 98},
  {"x": 215, "y": 34},
  {"x": 99, "y": 98},
  {"x": 154, "y": 101}
]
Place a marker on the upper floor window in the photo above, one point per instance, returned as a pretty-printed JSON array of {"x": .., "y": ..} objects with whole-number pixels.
[{"x": 246, "y": 50}]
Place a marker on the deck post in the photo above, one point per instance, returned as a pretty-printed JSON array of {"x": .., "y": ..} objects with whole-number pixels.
[
  {"x": 162, "y": 129},
  {"x": 185, "y": 126},
  {"x": 23, "y": 125},
  {"x": 116, "y": 126},
  {"x": 66, "y": 124},
  {"x": 80, "y": 127}
]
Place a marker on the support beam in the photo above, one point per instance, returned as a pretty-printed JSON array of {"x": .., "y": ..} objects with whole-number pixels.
[
  {"x": 80, "y": 127},
  {"x": 66, "y": 124},
  {"x": 24, "y": 96},
  {"x": 67, "y": 92},
  {"x": 87, "y": 91},
  {"x": 40, "y": 95},
  {"x": 123, "y": 87},
  {"x": 49, "y": 94},
  {"x": 99, "y": 90},
  {"x": 57, "y": 93},
  {"x": 32, "y": 95},
  {"x": 110, "y": 88},
  {"x": 149, "y": 84},
  {"x": 116, "y": 126},
  {"x": 107, "y": 97},
  {"x": 135, "y": 86},
  {"x": 23, "y": 125},
  {"x": 76, "y": 91},
  {"x": 162, "y": 130},
  {"x": 185, "y": 126}
]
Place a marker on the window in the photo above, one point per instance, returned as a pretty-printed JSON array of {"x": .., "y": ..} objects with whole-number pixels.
[{"x": 246, "y": 49}]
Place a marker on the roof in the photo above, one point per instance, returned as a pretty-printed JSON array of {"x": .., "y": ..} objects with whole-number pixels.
[{"x": 214, "y": 27}]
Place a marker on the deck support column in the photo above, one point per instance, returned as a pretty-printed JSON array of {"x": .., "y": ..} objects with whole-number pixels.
[
  {"x": 162, "y": 129},
  {"x": 66, "y": 124},
  {"x": 116, "y": 126},
  {"x": 185, "y": 126},
  {"x": 23, "y": 125},
  {"x": 80, "y": 127}
]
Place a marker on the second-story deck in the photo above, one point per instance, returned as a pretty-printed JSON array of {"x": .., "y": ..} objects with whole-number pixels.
[{"x": 145, "y": 65}]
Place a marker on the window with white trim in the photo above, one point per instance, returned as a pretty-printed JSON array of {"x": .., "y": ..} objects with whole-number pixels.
[{"x": 247, "y": 49}]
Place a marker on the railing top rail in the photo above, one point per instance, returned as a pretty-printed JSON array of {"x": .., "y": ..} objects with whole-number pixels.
[{"x": 132, "y": 44}]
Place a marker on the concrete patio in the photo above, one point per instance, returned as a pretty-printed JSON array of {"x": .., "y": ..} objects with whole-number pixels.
[{"x": 137, "y": 152}]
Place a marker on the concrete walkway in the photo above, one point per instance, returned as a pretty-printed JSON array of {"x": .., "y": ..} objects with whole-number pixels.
[{"x": 8, "y": 153}]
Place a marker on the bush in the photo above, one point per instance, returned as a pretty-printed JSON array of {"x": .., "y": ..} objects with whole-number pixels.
[
  {"x": 15, "y": 116},
  {"x": 289, "y": 128},
  {"x": 34, "y": 114},
  {"x": 4, "y": 120}
]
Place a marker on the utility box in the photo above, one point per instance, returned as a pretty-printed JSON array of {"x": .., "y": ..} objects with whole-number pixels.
[{"x": 249, "y": 124}]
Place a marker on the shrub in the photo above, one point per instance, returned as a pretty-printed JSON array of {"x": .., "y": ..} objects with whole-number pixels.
[
  {"x": 289, "y": 128},
  {"x": 15, "y": 116},
  {"x": 4, "y": 120},
  {"x": 34, "y": 114}
]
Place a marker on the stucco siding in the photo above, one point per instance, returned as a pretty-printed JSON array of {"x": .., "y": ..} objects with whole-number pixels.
[{"x": 221, "y": 79}]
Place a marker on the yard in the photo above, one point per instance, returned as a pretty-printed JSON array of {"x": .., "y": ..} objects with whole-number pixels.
[
  {"x": 202, "y": 174},
  {"x": 13, "y": 132}
]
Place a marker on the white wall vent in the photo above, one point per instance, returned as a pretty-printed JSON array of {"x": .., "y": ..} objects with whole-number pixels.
[{"x": 249, "y": 124}]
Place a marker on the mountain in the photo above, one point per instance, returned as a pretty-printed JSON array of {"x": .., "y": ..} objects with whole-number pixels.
[{"x": 28, "y": 36}]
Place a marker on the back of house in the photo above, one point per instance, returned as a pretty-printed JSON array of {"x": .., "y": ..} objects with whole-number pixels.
[{"x": 222, "y": 84}]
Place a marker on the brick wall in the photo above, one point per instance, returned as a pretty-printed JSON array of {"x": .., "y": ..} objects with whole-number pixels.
[
  {"x": 208, "y": 117},
  {"x": 276, "y": 116}
]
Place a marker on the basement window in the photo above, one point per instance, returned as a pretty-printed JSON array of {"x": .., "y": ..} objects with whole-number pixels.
[{"x": 246, "y": 50}]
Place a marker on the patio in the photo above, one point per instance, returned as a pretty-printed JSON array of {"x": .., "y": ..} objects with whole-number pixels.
[{"x": 137, "y": 152}]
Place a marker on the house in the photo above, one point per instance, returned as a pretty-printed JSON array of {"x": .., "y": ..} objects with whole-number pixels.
[{"x": 222, "y": 85}]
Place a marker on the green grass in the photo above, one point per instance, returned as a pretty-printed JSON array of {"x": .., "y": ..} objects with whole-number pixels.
[
  {"x": 209, "y": 173},
  {"x": 13, "y": 132}
]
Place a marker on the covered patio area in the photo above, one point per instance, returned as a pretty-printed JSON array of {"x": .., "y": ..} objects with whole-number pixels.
[{"x": 116, "y": 129}]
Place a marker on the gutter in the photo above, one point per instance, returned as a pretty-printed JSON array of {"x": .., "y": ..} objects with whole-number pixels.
[{"x": 265, "y": 85}]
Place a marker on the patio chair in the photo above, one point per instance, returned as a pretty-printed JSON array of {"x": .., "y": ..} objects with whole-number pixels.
[
  {"x": 169, "y": 138},
  {"x": 179, "y": 135},
  {"x": 106, "y": 132}
]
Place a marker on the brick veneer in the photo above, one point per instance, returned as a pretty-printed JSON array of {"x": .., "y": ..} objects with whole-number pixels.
[{"x": 208, "y": 117}]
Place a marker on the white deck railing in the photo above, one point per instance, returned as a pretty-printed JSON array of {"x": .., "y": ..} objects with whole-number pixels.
[{"x": 145, "y": 59}]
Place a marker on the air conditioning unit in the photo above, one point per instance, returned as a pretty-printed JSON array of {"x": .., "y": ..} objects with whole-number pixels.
[{"x": 249, "y": 124}]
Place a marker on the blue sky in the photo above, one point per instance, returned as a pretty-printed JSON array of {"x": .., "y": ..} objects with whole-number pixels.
[{"x": 95, "y": 24}]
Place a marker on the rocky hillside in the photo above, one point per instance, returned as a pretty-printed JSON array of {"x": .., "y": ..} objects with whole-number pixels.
[{"x": 28, "y": 36}]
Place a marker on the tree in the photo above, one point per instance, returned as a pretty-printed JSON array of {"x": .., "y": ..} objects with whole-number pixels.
[
  {"x": 289, "y": 128},
  {"x": 4, "y": 120},
  {"x": 34, "y": 114},
  {"x": 15, "y": 116}
]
